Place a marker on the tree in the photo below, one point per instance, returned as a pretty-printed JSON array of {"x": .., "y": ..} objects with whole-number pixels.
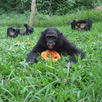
[{"x": 33, "y": 10}]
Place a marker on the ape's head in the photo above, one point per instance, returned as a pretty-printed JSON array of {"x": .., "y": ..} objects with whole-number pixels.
[
  {"x": 51, "y": 37},
  {"x": 25, "y": 24}
]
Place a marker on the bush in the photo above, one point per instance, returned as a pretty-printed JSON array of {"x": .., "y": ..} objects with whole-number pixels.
[
  {"x": 62, "y": 7},
  {"x": 51, "y": 7},
  {"x": 19, "y": 5}
]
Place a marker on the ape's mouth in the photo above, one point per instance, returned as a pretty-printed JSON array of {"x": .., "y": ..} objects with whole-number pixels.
[{"x": 50, "y": 47}]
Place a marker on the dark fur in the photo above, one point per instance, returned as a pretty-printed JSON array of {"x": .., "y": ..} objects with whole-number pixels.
[
  {"x": 82, "y": 24},
  {"x": 61, "y": 45},
  {"x": 24, "y": 31},
  {"x": 30, "y": 29},
  {"x": 12, "y": 32},
  {"x": 73, "y": 24}
]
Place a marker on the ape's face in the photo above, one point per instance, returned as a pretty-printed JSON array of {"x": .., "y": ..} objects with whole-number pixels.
[{"x": 51, "y": 38}]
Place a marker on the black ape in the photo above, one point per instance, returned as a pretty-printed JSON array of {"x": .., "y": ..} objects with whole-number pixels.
[
  {"x": 12, "y": 32},
  {"x": 52, "y": 39},
  {"x": 81, "y": 24},
  {"x": 28, "y": 29}
]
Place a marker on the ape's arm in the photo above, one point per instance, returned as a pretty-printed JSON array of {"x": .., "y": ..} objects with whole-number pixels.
[
  {"x": 88, "y": 24},
  {"x": 32, "y": 56},
  {"x": 81, "y": 21},
  {"x": 72, "y": 50},
  {"x": 73, "y": 24}
]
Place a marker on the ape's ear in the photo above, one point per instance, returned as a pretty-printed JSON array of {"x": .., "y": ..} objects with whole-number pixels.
[
  {"x": 42, "y": 32},
  {"x": 61, "y": 33}
]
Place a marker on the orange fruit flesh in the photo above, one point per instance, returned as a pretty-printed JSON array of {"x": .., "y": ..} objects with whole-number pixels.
[{"x": 46, "y": 54}]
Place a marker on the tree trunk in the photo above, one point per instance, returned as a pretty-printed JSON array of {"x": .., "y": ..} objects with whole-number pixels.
[
  {"x": 33, "y": 10},
  {"x": 49, "y": 9}
]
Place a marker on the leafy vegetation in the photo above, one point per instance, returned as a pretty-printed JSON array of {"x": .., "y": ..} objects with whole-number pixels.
[
  {"x": 47, "y": 81},
  {"x": 51, "y": 7},
  {"x": 62, "y": 7}
]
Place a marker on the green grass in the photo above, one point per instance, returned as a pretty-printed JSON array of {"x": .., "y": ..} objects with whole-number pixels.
[
  {"x": 44, "y": 81},
  {"x": 41, "y": 20}
]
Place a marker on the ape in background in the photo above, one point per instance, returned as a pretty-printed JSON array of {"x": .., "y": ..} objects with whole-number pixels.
[
  {"x": 53, "y": 39},
  {"x": 27, "y": 30},
  {"x": 12, "y": 32},
  {"x": 81, "y": 24}
]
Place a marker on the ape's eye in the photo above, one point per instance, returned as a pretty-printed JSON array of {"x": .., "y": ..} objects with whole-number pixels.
[
  {"x": 53, "y": 37},
  {"x": 47, "y": 37}
]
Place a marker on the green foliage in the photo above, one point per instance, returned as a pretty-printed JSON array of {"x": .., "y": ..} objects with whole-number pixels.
[
  {"x": 51, "y": 7},
  {"x": 15, "y": 5},
  {"x": 62, "y": 7}
]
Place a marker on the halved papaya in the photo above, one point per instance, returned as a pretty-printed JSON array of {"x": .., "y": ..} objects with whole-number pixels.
[{"x": 46, "y": 54}]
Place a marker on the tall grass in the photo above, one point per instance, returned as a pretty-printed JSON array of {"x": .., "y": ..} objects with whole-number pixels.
[{"x": 46, "y": 81}]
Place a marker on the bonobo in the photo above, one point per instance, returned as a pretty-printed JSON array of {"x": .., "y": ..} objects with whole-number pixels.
[
  {"x": 53, "y": 39},
  {"x": 12, "y": 32},
  {"x": 81, "y": 24},
  {"x": 27, "y": 30}
]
